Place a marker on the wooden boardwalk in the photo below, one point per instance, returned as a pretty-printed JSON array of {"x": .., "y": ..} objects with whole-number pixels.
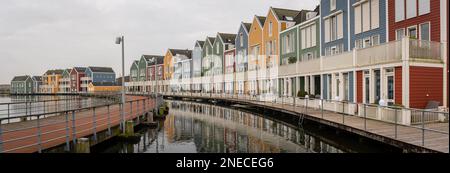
[
  {"x": 22, "y": 137},
  {"x": 408, "y": 137}
]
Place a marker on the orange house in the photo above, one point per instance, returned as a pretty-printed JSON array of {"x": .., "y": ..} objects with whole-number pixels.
[
  {"x": 168, "y": 65},
  {"x": 277, "y": 21},
  {"x": 50, "y": 81},
  {"x": 255, "y": 41}
]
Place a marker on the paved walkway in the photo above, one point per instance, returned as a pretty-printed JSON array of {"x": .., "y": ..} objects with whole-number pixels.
[{"x": 22, "y": 137}]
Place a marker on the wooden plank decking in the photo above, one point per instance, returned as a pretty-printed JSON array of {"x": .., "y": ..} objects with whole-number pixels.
[{"x": 22, "y": 137}]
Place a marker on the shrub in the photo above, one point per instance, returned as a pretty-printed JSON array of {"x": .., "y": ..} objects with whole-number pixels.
[{"x": 302, "y": 94}]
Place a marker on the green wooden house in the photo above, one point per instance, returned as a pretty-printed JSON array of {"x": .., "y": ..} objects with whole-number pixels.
[{"x": 22, "y": 85}]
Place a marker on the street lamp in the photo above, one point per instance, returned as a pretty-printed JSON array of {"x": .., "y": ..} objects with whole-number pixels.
[{"x": 120, "y": 40}]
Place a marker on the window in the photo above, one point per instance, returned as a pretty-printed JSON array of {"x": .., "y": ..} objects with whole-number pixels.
[
  {"x": 367, "y": 42},
  {"x": 425, "y": 31},
  {"x": 334, "y": 28},
  {"x": 412, "y": 32},
  {"x": 399, "y": 10},
  {"x": 358, "y": 44},
  {"x": 333, "y": 25},
  {"x": 358, "y": 19},
  {"x": 365, "y": 17},
  {"x": 270, "y": 29},
  {"x": 375, "y": 14},
  {"x": 217, "y": 49},
  {"x": 411, "y": 9},
  {"x": 332, "y": 5},
  {"x": 424, "y": 7},
  {"x": 308, "y": 35},
  {"x": 375, "y": 40},
  {"x": 241, "y": 39},
  {"x": 400, "y": 33}
]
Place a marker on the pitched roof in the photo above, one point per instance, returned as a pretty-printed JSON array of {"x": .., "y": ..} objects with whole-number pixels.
[
  {"x": 37, "y": 78},
  {"x": 185, "y": 52},
  {"x": 51, "y": 72},
  {"x": 285, "y": 14},
  {"x": 149, "y": 57},
  {"x": 159, "y": 60},
  {"x": 80, "y": 69},
  {"x": 261, "y": 20},
  {"x": 211, "y": 39},
  {"x": 200, "y": 43},
  {"x": 247, "y": 26},
  {"x": 227, "y": 38},
  {"x": 301, "y": 16},
  {"x": 20, "y": 78},
  {"x": 102, "y": 69}
]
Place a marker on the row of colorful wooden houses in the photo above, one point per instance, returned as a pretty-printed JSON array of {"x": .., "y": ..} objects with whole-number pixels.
[
  {"x": 360, "y": 51},
  {"x": 74, "y": 80}
]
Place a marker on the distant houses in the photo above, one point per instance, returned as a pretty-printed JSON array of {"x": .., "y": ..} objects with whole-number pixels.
[{"x": 72, "y": 80}]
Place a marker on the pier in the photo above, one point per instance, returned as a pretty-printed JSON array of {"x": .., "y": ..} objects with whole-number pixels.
[
  {"x": 423, "y": 135},
  {"x": 54, "y": 130}
]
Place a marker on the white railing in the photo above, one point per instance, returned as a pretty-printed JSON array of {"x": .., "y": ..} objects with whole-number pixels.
[{"x": 384, "y": 53}]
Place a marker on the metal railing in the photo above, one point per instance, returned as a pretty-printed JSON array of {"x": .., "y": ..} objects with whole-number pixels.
[{"x": 42, "y": 133}]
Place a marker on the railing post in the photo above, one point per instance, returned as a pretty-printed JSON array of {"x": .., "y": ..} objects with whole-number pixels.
[
  {"x": 74, "y": 130},
  {"x": 44, "y": 109},
  {"x": 321, "y": 107},
  {"x": 306, "y": 106},
  {"x": 67, "y": 132},
  {"x": 365, "y": 119},
  {"x": 39, "y": 134},
  {"x": 343, "y": 113},
  {"x": 395, "y": 123},
  {"x": 94, "y": 124},
  {"x": 423, "y": 128},
  {"x": 8, "y": 114},
  {"x": 1, "y": 137},
  {"x": 109, "y": 121}
]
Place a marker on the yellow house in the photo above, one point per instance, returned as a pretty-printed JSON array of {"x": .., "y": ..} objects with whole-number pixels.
[
  {"x": 255, "y": 53},
  {"x": 50, "y": 81},
  {"x": 103, "y": 87}
]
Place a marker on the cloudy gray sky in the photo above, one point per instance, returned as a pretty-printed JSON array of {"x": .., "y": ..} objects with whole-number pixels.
[{"x": 49, "y": 34}]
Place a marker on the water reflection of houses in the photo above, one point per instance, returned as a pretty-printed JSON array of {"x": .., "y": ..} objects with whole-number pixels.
[{"x": 217, "y": 129}]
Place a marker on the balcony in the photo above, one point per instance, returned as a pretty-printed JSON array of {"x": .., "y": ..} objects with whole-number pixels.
[{"x": 339, "y": 61}]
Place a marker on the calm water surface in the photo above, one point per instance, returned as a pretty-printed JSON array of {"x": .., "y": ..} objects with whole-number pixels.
[{"x": 204, "y": 128}]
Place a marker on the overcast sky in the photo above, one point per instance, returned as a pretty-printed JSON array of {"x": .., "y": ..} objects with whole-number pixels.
[{"x": 36, "y": 35}]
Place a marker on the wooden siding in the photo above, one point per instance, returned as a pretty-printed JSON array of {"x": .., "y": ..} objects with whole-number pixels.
[{"x": 426, "y": 84}]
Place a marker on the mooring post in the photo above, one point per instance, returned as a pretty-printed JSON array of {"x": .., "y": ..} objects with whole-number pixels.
[
  {"x": 129, "y": 128},
  {"x": 83, "y": 146},
  {"x": 8, "y": 114}
]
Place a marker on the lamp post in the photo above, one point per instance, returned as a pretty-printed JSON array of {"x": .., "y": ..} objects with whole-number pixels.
[{"x": 120, "y": 40}]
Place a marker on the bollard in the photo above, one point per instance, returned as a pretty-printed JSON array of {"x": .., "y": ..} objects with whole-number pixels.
[
  {"x": 82, "y": 146},
  {"x": 129, "y": 128}
]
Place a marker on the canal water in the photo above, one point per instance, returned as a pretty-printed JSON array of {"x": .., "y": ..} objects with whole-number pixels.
[{"x": 192, "y": 127}]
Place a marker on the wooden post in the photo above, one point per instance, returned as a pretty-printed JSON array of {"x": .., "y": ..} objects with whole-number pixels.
[
  {"x": 129, "y": 128},
  {"x": 82, "y": 146}
]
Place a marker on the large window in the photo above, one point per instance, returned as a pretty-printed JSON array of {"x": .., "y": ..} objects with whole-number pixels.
[
  {"x": 332, "y": 5},
  {"x": 241, "y": 39},
  {"x": 288, "y": 41},
  {"x": 411, "y": 9},
  {"x": 399, "y": 10},
  {"x": 424, "y": 7},
  {"x": 425, "y": 31},
  {"x": 308, "y": 35},
  {"x": 334, "y": 27},
  {"x": 366, "y": 16},
  {"x": 412, "y": 32}
]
